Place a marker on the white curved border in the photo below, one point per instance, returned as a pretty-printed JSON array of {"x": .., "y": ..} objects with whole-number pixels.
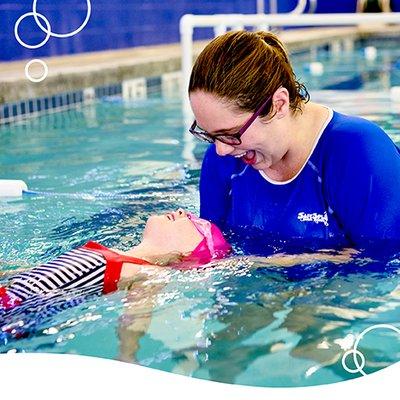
[
  {"x": 35, "y": 376},
  {"x": 45, "y": 73},
  {"x": 61, "y": 35}
]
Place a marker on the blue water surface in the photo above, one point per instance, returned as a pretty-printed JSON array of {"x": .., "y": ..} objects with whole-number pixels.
[{"x": 283, "y": 321}]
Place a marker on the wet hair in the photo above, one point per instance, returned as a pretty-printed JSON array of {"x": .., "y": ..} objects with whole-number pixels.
[
  {"x": 168, "y": 259},
  {"x": 246, "y": 68},
  {"x": 212, "y": 246}
]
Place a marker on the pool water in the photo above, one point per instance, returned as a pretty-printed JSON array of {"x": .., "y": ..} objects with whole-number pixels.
[
  {"x": 105, "y": 168},
  {"x": 374, "y": 70}
]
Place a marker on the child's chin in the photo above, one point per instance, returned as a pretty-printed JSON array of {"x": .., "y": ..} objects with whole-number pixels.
[{"x": 154, "y": 221}]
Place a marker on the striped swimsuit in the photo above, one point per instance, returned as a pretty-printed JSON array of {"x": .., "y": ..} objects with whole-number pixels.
[{"x": 91, "y": 268}]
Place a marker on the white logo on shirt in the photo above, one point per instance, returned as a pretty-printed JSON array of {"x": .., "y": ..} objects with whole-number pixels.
[{"x": 313, "y": 217}]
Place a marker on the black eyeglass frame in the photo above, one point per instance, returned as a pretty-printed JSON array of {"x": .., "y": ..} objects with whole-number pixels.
[{"x": 231, "y": 138}]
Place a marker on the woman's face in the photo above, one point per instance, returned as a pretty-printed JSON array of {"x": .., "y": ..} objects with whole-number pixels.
[
  {"x": 264, "y": 142},
  {"x": 172, "y": 232}
]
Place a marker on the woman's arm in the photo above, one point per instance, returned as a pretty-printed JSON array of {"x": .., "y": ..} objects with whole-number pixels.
[
  {"x": 141, "y": 299},
  {"x": 215, "y": 186},
  {"x": 143, "y": 291},
  {"x": 289, "y": 260},
  {"x": 133, "y": 272},
  {"x": 361, "y": 181}
]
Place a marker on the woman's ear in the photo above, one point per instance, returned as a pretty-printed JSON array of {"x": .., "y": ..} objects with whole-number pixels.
[{"x": 281, "y": 102}]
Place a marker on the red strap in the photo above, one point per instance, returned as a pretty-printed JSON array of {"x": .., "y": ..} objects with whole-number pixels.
[
  {"x": 5, "y": 300},
  {"x": 114, "y": 263}
]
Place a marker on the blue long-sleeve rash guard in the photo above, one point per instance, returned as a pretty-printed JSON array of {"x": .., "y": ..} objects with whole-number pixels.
[{"x": 348, "y": 192}]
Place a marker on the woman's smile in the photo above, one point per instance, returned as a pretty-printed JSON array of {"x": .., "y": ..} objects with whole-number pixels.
[
  {"x": 253, "y": 158},
  {"x": 250, "y": 157}
]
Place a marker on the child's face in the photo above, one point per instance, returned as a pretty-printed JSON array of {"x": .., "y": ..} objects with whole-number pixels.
[{"x": 172, "y": 232}]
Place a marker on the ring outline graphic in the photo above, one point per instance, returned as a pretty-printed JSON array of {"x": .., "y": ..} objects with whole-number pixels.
[
  {"x": 355, "y": 351},
  {"x": 359, "y": 368},
  {"x": 35, "y": 15},
  {"x": 44, "y": 65},
  {"x": 48, "y": 32},
  {"x": 61, "y": 35}
]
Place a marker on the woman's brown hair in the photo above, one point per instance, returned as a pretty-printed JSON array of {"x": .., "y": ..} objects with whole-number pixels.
[{"x": 246, "y": 68}]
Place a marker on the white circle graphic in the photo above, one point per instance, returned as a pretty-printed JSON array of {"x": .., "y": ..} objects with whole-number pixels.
[
  {"x": 356, "y": 353},
  {"x": 45, "y": 72},
  {"x": 61, "y": 35},
  {"x": 36, "y": 15}
]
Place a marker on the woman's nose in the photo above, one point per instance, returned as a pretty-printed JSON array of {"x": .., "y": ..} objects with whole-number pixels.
[
  {"x": 223, "y": 149},
  {"x": 180, "y": 213}
]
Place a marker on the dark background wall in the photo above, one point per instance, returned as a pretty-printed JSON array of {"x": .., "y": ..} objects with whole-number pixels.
[{"x": 118, "y": 24}]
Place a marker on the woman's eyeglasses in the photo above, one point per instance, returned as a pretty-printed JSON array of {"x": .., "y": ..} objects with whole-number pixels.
[{"x": 231, "y": 138}]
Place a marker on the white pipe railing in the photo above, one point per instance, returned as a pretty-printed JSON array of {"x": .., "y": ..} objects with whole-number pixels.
[
  {"x": 273, "y": 6},
  {"x": 313, "y": 6},
  {"x": 260, "y": 6},
  {"x": 220, "y": 23}
]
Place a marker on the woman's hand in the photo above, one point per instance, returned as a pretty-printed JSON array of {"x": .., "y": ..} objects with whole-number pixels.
[
  {"x": 132, "y": 273},
  {"x": 289, "y": 260}
]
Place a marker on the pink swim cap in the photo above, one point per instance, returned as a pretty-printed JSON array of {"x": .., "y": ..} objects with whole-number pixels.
[{"x": 213, "y": 246}]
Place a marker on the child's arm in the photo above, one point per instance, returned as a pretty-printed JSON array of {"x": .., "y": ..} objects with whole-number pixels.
[{"x": 18, "y": 267}]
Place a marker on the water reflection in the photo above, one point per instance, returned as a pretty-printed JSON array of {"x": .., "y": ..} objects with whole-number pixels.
[{"x": 289, "y": 332}]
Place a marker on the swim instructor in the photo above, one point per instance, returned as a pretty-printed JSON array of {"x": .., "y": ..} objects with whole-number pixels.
[{"x": 281, "y": 163}]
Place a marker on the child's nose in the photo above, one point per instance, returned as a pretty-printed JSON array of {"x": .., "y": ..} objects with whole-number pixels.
[{"x": 180, "y": 213}]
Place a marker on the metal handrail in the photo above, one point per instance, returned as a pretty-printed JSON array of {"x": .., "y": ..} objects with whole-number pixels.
[
  {"x": 220, "y": 22},
  {"x": 313, "y": 6},
  {"x": 260, "y": 6}
]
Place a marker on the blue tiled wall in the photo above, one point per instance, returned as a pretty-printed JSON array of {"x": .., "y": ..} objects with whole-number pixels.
[
  {"x": 113, "y": 24},
  {"x": 120, "y": 23}
]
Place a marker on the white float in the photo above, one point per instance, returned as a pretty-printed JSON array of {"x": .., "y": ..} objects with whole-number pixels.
[
  {"x": 12, "y": 188},
  {"x": 395, "y": 94},
  {"x": 370, "y": 53},
  {"x": 316, "y": 68}
]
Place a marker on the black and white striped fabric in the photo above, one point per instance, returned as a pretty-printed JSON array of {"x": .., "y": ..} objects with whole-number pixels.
[{"x": 74, "y": 270}]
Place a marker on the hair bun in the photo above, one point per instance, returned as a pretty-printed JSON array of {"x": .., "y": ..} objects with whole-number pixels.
[{"x": 273, "y": 40}]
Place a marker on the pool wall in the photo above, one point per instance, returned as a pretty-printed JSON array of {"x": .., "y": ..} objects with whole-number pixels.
[
  {"x": 136, "y": 73},
  {"x": 122, "y": 23}
]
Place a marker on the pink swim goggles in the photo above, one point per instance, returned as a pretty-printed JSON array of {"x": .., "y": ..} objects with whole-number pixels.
[{"x": 213, "y": 246}]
